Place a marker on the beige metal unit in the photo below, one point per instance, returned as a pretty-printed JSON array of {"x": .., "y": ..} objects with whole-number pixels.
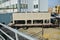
[
  {"x": 26, "y": 20},
  {"x": 30, "y": 17}
]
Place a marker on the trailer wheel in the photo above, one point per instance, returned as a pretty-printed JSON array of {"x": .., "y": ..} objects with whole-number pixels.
[
  {"x": 25, "y": 28},
  {"x": 16, "y": 27},
  {"x": 3, "y": 22}
]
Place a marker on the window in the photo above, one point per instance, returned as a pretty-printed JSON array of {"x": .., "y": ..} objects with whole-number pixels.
[
  {"x": 23, "y": 6},
  {"x": 12, "y": 6},
  {"x": 7, "y": 7},
  {"x": 15, "y": 6},
  {"x": 37, "y": 21},
  {"x": 55, "y": 6},
  {"x": 35, "y": 6},
  {"x": 46, "y": 21},
  {"x": 7, "y": 0},
  {"x": 19, "y": 21},
  {"x": 28, "y": 21}
]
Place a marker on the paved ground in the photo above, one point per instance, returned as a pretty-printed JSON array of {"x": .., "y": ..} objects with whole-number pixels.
[{"x": 48, "y": 33}]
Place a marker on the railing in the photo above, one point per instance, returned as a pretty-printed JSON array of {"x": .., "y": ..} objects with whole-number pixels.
[
  {"x": 2, "y": 38},
  {"x": 12, "y": 34},
  {"x": 6, "y": 35}
]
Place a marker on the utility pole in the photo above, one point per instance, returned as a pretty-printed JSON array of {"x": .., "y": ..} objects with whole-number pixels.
[{"x": 42, "y": 30}]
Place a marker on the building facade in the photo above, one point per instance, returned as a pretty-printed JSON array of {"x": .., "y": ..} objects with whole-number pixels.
[{"x": 24, "y": 6}]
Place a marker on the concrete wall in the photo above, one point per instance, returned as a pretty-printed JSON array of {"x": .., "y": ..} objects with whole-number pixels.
[{"x": 43, "y": 5}]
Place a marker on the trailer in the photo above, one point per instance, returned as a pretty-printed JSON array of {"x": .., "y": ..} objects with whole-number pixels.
[{"x": 26, "y": 20}]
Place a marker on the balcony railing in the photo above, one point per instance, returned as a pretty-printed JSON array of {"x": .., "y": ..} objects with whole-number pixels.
[{"x": 8, "y": 33}]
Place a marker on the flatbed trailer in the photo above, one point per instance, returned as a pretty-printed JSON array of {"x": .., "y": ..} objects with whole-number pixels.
[
  {"x": 26, "y": 20},
  {"x": 34, "y": 25}
]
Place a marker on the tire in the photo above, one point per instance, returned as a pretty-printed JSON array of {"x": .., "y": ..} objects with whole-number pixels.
[
  {"x": 16, "y": 27},
  {"x": 25, "y": 28}
]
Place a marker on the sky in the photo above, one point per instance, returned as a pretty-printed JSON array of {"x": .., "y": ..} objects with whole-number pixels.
[{"x": 53, "y": 3}]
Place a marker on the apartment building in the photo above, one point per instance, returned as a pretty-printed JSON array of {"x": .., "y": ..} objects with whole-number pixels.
[
  {"x": 28, "y": 5},
  {"x": 24, "y": 6}
]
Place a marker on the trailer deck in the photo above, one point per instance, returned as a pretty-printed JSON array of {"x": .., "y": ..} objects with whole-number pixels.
[{"x": 34, "y": 25}]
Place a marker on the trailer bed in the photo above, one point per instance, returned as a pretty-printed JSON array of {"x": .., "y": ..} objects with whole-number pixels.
[{"x": 34, "y": 25}]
